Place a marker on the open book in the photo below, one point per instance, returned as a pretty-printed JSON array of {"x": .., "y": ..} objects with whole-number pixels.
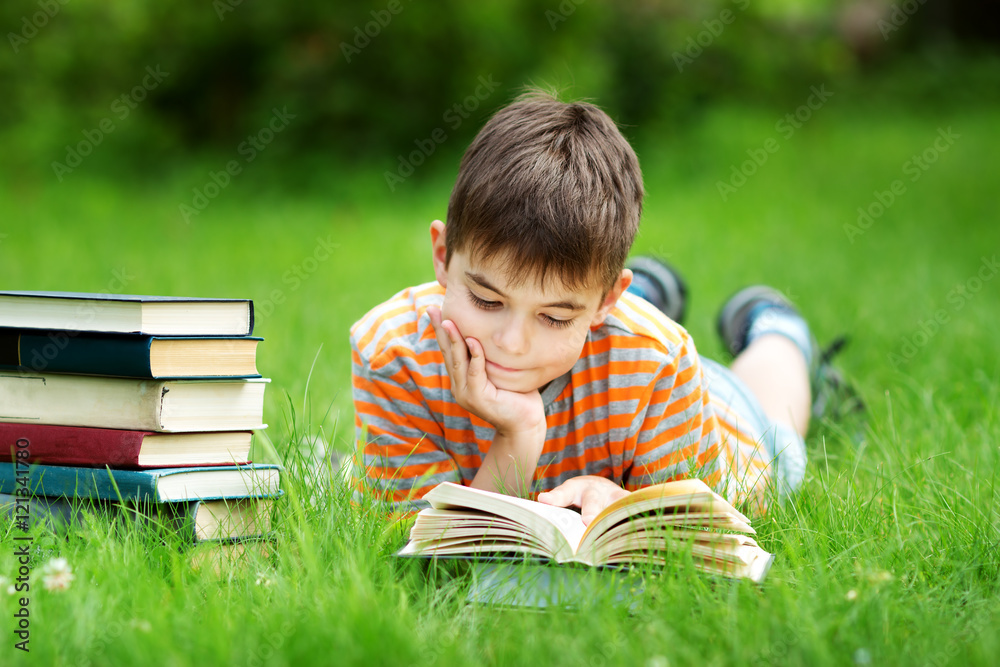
[{"x": 644, "y": 527}]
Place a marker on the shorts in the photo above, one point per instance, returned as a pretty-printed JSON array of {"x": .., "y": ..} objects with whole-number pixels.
[{"x": 783, "y": 444}]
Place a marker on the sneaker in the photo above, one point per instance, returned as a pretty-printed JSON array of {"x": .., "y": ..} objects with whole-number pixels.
[
  {"x": 658, "y": 283},
  {"x": 832, "y": 394}
]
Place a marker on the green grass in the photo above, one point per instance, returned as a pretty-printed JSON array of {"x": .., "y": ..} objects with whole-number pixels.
[{"x": 888, "y": 555}]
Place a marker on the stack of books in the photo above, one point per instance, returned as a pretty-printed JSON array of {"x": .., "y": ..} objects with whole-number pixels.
[{"x": 146, "y": 404}]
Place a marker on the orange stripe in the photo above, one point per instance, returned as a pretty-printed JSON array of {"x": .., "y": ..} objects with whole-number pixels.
[{"x": 402, "y": 307}]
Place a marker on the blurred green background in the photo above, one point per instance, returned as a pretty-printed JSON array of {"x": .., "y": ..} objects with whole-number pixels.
[{"x": 295, "y": 154}]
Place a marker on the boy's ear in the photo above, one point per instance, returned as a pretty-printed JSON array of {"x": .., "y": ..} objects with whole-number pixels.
[
  {"x": 611, "y": 298},
  {"x": 438, "y": 252}
]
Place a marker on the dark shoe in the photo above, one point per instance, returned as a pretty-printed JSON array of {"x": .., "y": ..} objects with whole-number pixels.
[
  {"x": 832, "y": 393},
  {"x": 658, "y": 283}
]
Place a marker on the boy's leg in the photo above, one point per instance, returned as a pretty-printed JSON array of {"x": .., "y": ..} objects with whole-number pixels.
[
  {"x": 775, "y": 358},
  {"x": 775, "y": 353},
  {"x": 773, "y": 367}
]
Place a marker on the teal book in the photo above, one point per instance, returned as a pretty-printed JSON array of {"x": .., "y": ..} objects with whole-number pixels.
[
  {"x": 197, "y": 520},
  {"x": 125, "y": 355},
  {"x": 158, "y": 485}
]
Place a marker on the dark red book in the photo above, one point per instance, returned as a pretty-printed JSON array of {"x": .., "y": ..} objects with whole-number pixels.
[{"x": 99, "y": 447}]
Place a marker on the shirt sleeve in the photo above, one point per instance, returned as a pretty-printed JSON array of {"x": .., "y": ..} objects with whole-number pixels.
[{"x": 400, "y": 443}]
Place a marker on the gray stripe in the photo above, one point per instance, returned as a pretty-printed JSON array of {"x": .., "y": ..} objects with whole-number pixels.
[
  {"x": 681, "y": 417},
  {"x": 591, "y": 468}
]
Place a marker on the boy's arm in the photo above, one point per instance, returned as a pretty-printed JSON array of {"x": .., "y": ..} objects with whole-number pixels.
[{"x": 509, "y": 465}]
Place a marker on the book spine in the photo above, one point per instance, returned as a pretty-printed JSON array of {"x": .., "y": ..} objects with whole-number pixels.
[
  {"x": 70, "y": 352},
  {"x": 78, "y": 400},
  {"x": 71, "y": 445},
  {"x": 68, "y": 482}
]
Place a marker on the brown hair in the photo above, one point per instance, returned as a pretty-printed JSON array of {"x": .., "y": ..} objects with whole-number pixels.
[{"x": 548, "y": 185}]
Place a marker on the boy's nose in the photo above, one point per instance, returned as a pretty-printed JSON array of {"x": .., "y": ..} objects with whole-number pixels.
[{"x": 512, "y": 337}]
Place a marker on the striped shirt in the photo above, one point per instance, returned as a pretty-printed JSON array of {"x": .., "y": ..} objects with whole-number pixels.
[{"x": 635, "y": 409}]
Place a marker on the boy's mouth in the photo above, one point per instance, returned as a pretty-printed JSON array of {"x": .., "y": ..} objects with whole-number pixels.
[{"x": 498, "y": 367}]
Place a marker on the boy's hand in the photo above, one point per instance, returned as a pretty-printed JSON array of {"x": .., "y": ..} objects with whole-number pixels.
[
  {"x": 509, "y": 412},
  {"x": 588, "y": 492}
]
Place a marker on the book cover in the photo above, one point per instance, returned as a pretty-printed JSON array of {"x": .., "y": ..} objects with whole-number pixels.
[
  {"x": 126, "y": 313},
  {"x": 159, "y": 485},
  {"x": 118, "y": 448},
  {"x": 128, "y": 355}
]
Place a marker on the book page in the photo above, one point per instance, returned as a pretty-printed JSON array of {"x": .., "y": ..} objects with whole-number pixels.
[
  {"x": 557, "y": 527},
  {"x": 681, "y": 496}
]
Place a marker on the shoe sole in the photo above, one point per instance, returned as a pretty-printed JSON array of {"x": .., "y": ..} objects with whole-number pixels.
[
  {"x": 668, "y": 279},
  {"x": 731, "y": 322}
]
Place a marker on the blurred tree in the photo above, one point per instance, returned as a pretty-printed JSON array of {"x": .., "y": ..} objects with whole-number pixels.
[{"x": 379, "y": 76}]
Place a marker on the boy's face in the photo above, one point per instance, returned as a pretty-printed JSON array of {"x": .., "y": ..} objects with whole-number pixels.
[{"x": 530, "y": 334}]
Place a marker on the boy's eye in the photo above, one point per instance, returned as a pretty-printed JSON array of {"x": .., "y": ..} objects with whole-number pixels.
[
  {"x": 493, "y": 305},
  {"x": 483, "y": 303},
  {"x": 559, "y": 324}
]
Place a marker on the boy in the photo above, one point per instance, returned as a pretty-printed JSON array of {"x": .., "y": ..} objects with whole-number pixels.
[{"x": 528, "y": 366}]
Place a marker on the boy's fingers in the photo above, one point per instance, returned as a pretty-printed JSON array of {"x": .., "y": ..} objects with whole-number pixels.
[
  {"x": 459, "y": 353},
  {"x": 477, "y": 366},
  {"x": 596, "y": 497},
  {"x": 593, "y": 501},
  {"x": 564, "y": 495},
  {"x": 443, "y": 339}
]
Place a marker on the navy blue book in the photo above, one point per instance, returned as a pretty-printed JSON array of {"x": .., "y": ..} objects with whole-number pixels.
[
  {"x": 127, "y": 313},
  {"x": 128, "y": 355},
  {"x": 158, "y": 485}
]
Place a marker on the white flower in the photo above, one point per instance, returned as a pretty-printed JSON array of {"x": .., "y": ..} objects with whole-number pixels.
[
  {"x": 11, "y": 590},
  {"x": 263, "y": 579},
  {"x": 852, "y": 595},
  {"x": 57, "y": 575},
  {"x": 141, "y": 624}
]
